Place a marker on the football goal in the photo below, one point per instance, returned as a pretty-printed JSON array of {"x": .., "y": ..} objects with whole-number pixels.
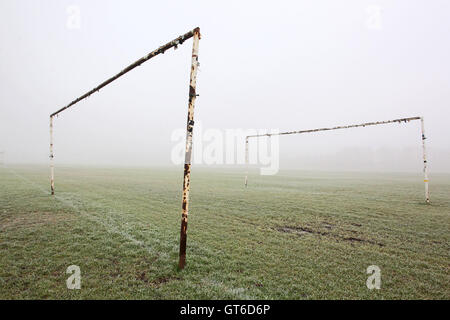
[
  {"x": 195, "y": 34},
  {"x": 403, "y": 120}
]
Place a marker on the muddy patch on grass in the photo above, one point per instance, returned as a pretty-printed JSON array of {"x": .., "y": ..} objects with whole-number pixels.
[
  {"x": 295, "y": 230},
  {"x": 115, "y": 272},
  {"x": 158, "y": 282},
  {"x": 142, "y": 277},
  {"x": 163, "y": 280},
  {"x": 302, "y": 231},
  {"x": 328, "y": 226},
  {"x": 353, "y": 240}
]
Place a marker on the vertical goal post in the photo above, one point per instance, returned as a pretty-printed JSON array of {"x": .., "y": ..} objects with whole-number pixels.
[
  {"x": 195, "y": 34},
  {"x": 403, "y": 120}
]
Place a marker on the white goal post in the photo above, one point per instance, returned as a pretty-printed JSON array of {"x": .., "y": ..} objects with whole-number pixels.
[
  {"x": 195, "y": 34},
  {"x": 403, "y": 120}
]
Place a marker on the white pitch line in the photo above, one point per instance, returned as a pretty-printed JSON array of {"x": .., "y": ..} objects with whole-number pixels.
[
  {"x": 237, "y": 292},
  {"x": 110, "y": 228}
]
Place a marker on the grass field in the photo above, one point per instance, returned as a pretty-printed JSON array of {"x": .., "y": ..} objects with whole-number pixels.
[{"x": 297, "y": 235}]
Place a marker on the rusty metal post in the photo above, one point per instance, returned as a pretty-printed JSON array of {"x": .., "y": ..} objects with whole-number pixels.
[
  {"x": 188, "y": 151},
  {"x": 425, "y": 163},
  {"x": 52, "y": 174},
  {"x": 246, "y": 161}
]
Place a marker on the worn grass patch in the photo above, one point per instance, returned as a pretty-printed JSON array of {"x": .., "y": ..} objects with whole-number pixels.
[
  {"x": 32, "y": 220},
  {"x": 345, "y": 235}
]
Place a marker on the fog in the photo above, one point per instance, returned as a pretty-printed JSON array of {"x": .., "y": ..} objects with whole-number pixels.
[{"x": 286, "y": 65}]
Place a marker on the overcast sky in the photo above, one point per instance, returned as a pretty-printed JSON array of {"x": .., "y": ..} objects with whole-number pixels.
[{"x": 288, "y": 65}]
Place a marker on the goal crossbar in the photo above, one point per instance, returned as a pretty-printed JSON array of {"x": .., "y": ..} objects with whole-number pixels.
[
  {"x": 195, "y": 34},
  {"x": 366, "y": 124},
  {"x": 172, "y": 44}
]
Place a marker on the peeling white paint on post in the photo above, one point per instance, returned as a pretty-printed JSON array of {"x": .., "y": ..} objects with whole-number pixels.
[
  {"x": 188, "y": 151},
  {"x": 366, "y": 124},
  {"x": 246, "y": 161},
  {"x": 425, "y": 164},
  {"x": 52, "y": 173},
  {"x": 161, "y": 50},
  {"x": 195, "y": 34}
]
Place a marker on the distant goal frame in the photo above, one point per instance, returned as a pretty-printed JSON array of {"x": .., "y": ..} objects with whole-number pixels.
[
  {"x": 366, "y": 124},
  {"x": 195, "y": 34}
]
